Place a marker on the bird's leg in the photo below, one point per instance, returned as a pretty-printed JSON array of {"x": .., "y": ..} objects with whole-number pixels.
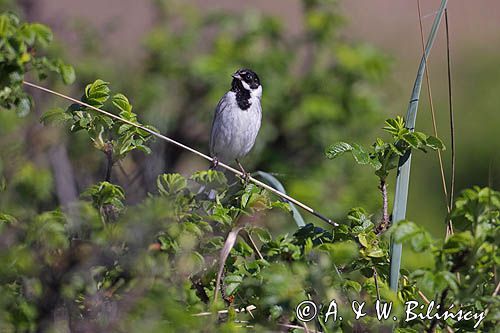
[
  {"x": 215, "y": 163},
  {"x": 245, "y": 175}
]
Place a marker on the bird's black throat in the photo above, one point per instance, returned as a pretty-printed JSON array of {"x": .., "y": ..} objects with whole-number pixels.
[{"x": 242, "y": 94}]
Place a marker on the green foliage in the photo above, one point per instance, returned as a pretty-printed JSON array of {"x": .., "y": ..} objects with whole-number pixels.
[
  {"x": 466, "y": 262},
  {"x": 20, "y": 47},
  {"x": 102, "y": 264},
  {"x": 384, "y": 156},
  {"x": 107, "y": 134}
]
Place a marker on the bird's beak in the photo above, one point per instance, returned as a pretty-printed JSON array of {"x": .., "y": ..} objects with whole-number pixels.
[{"x": 236, "y": 76}]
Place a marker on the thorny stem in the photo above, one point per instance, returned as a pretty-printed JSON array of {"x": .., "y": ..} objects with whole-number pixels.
[
  {"x": 108, "y": 151},
  {"x": 384, "y": 224}
]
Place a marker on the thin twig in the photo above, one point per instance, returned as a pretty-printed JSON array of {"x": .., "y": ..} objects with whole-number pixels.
[
  {"x": 449, "y": 230},
  {"x": 194, "y": 151},
  {"x": 433, "y": 114},
  {"x": 252, "y": 244},
  {"x": 495, "y": 292},
  {"x": 421, "y": 294},
  {"x": 245, "y": 309},
  {"x": 426, "y": 300}
]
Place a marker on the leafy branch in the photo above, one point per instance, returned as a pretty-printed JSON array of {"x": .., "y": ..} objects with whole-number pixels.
[
  {"x": 383, "y": 156},
  {"x": 20, "y": 47}
]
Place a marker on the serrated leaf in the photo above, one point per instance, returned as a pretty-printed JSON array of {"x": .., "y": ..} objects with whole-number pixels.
[
  {"x": 412, "y": 140},
  {"x": 396, "y": 150},
  {"x": 122, "y": 103},
  {"x": 392, "y": 126},
  {"x": 338, "y": 149},
  {"x": 55, "y": 115},
  {"x": 215, "y": 178},
  {"x": 375, "y": 163},
  {"x": 97, "y": 93},
  {"x": 359, "y": 154},
  {"x": 171, "y": 183},
  {"x": 435, "y": 143}
]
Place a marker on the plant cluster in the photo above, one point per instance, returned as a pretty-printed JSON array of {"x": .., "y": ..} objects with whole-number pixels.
[{"x": 101, "y": 264}]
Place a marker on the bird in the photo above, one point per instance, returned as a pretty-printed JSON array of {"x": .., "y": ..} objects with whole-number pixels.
[{"x": 237, "y": 120}]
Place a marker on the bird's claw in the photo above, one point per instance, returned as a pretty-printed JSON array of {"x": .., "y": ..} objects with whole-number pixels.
[
  {"x": 245, "y": 177},
  {"x": 215, "y": 163}
]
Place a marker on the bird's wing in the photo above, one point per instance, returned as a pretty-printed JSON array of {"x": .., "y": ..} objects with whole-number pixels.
[{"x": 224, "y": 104}]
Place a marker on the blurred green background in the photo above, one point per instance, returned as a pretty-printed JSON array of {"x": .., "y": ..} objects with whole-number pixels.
[{"x": 330, "y": 70}]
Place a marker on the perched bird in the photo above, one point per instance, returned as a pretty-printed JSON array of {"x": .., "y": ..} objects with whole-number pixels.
[{"x": 237, "y": 119}]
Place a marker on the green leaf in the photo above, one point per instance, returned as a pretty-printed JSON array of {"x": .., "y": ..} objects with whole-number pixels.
[
  {"x": 42, "y": 33},
  {"x": 4, "y": 24},
  {"x": 338, "y": 149},
  {"x": 435, "y": 143},
  {"x": 394, "y": 126},
  {"x": 360, "y": 155},
  {"x": 122, "y": 103},
  {"x": 171, "y": 183},
  {"x": 449, "y": 279},
  {"x": 262, "y": 234},
  {"x": 412, "y": 140},
  {"x": 397, "y": 150},
  {"x": 55, "y": 115},
  {"x": 232, "y": 282},
  {"x": 375, "y": 163},
  {"x": 362, "y": 240},
  {"x": 97, "y": 93},
  {"x": 341, "y": 252},
  {"x": 6, "y": 218},
  {"x": 215, "y": 179},
  {"x": 67, "y": 73},
  {"x": 351, "y": 284},
  {"x": 375, "y": 252},
  {"x": 404, "y": 230}
]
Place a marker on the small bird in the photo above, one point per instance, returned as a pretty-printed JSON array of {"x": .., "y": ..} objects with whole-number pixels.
[{"x": 237, "y": 119}]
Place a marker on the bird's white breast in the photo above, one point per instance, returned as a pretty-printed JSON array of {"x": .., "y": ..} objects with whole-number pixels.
[{"x": 238, "y": 128}]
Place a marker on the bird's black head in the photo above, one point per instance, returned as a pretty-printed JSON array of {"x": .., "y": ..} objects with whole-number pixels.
[{"x": 245, "y": 79}]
